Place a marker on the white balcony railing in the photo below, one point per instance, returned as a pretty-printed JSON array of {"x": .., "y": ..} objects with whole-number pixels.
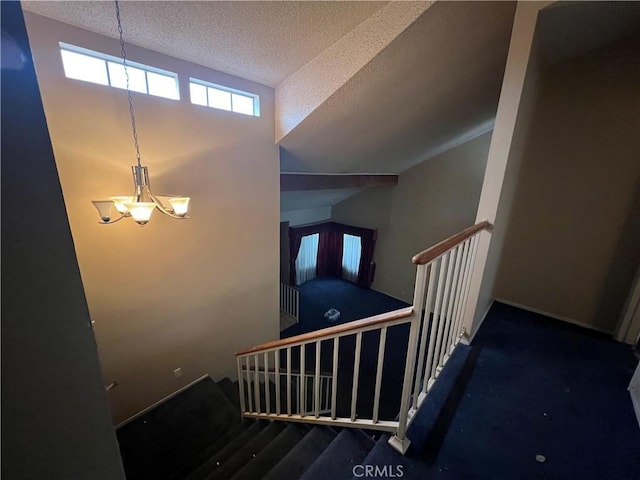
[{"x": 312, "y": 395}]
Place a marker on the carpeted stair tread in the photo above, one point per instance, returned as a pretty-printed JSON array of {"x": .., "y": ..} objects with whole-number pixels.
[
  {"x": 230, "y": 391},
  {"x": 273, "y": 453},
  {"x": 213, "y": 463},
  {"x": 425, "y": 427},
  {"x": 222, "y": 442},
  {"x": 249, "y": 451},
  {"x": 347, "y": 450},
  {"x": 298, "y": 460},
  {"x": 159, "y": 443}
]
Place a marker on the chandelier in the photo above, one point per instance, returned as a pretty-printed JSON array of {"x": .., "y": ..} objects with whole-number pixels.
[{"x": 142, "y": 203}]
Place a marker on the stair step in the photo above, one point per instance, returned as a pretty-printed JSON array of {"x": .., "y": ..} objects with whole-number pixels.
[
  {"x": 273, "y": 453},
  {"x": 298, "y": 460},
  {"x": 249, "y": 451},
  {"x": 230, "y": 391},
  {"x": 160, "y": 442},
  {"x": 347, "y": 450},
  {"x": 213, "y": 463},
  {"x": 222, "y": 442}
]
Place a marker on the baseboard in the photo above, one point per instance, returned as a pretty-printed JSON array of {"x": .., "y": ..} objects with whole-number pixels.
[
  {"x": 484, "y": 315},
  {"x": 154, "y": 405},
  {"x": 554, "y": 316}
]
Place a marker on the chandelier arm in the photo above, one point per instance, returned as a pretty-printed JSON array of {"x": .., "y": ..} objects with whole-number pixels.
[
  {"x": 116, "y": 220},
  {"x": 164, "y": 210}
]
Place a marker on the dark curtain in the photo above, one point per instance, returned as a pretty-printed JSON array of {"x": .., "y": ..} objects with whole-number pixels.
[
  {"x": 367, "y": 265},
  {"x": 330, "y": 253},
  {"x": 330, "y": 249}
]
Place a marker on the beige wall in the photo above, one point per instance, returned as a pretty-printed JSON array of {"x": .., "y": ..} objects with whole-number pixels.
[
  {"x": 172, "y": 293},
  {"x": 520, "y": 89},
  {"x": 571, "y": 247},
  {"x": 432, "y": 201}
]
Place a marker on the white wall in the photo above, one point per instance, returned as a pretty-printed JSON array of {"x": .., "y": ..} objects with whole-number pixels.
[
  {"x": 432, "y": 201},
  {"x": 172, "y": 293}
]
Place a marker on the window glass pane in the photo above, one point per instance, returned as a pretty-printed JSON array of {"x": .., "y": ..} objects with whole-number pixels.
[
  {"x": 307, "y": 259},
  {"x": 242, "y": 104},
  {"x": 219, "y": 99},
  {"x": 162, "y": 85},
  {"x": 198, "y": 94},
  {"x": 137, "y": 81},
  {"x": 351, "y": 252},
  {"x": 83, "y": 67}
]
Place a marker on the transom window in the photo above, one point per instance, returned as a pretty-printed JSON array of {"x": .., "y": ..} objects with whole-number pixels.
[
  {"x": 223, "y": 98},
  {"x": 89, "y": 66}
]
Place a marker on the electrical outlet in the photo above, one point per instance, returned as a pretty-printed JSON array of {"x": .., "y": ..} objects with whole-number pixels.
[{"x": 177, "y": 373}]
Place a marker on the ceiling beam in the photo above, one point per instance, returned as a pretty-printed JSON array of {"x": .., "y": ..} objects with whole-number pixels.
[{"x": 290, "y": 182}]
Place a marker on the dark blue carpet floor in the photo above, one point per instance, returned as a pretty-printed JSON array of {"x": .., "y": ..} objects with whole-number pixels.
[
  {"x": 528, "y": 386},
  {"x": 354, "y": 302}
]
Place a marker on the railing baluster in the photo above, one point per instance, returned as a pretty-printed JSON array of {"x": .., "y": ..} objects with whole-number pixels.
[
  {"x": 379, "y": 368},
  {"x": 435, "y": 324},
  {"x": 276, "y": 367},
  {"x": 414, "y": 331},
  {"x": 316, "y": 386},
  {"x": 474, "y": 249},
  {"x": 452, "y": 295},
  {"x": 443, "y": 320},
  {"x": 256, "y": 389},
  {"x": 422, "y": 273},
  {"x": 267, "y": 384},
  {"x": 289, "y": 381},
  {"x": 303, "y": 383},
  {"x": 297, "y": 305},
  {"x": 241, "y": 386},
  {"x": 356, "y": 374},
  {"x": 429, "y": 324},
  {"x": 463, "y": 283},
  {"x": 334, "y": 377},
  {"x": 249, "y": 383}
]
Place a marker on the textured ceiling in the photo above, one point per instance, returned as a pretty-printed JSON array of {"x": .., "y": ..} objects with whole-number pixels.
[
  {"x": 434, "y": 86},
  {"x": 261, "y": 41},
  {"x": 437, "y": 82}
]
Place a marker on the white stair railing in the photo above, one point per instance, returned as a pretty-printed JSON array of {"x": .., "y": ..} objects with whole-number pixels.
[
  {"x": 290, "y": 300},
  {"x": 311, "y": 396}
]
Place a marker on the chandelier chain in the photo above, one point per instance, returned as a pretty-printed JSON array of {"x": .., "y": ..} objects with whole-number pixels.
[{"x": 126, "y": 74}]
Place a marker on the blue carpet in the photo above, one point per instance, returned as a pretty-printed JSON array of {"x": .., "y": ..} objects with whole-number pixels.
[
  {"x": 530, "y": 386},
  {"x": 354, "y": 302}
]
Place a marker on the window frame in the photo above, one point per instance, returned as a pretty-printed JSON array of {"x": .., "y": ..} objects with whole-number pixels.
[
  {"x": 231, "y": 91},
  {"x": 106, "y": 58}
]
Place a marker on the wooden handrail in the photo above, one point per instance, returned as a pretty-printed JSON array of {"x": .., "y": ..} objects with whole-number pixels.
[
  {"x": 438, "y": 249},
  {"x": 327, "y": 332}
]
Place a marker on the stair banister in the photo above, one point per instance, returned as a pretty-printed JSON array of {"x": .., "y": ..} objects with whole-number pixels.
[{"x": 436, "y": 327}]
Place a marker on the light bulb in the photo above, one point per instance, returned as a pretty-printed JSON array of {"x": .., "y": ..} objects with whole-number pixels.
[
  {"x": 180, "y": 205},
  {"x": 120, "y": 203},
  {"x": 140, "y": 211}
]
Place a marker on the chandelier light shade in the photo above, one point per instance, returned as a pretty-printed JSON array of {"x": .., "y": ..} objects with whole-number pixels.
[{"x": 141, "y": 205}]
